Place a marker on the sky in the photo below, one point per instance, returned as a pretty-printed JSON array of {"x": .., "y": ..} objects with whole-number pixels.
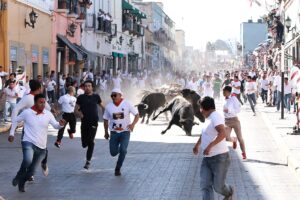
[{"x": 209, "y": 20}]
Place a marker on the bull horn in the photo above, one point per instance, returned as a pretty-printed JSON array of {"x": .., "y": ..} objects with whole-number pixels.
[{"x": 146, "y": 106}]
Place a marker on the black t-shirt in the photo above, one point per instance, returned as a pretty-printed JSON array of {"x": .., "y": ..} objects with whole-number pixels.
[{"x": 89, "y": 107}]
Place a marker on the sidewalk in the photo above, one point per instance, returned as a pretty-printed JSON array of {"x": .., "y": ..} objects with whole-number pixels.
[{"x": 289, "y": 145}]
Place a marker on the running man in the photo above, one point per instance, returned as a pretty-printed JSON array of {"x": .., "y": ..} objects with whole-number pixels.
[
  {"x": 87, "y": 109},
  {"x": 117, "y": 118},
  {"x": 34, "y": 141},
  {"x": 68, "y": 102},
  {"x": 251, "y": 89},
  {"x": 216, "y": 159},
  {"x": 27, "y": 102},
  {"x": 231, "y": 108}
]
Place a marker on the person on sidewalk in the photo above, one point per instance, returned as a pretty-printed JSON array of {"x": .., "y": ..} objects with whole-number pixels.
[
  {"x": 67, "y": 102},
  {"x": 34, "y": 141},
  {"x": 216, "y": 159},
  {"x": 251, "y": 88},
  {"x": 12, "y": 94},
  {"x": 51, "y": 88},
  {"x": 231, "y": 108},
  {"x": 87, "y": 109},
  {"x": 287, "y": 94},
  {"x": 27, "y": 102},
  {"x": 264, "y": 88},
  {"x": 117, "y": 119}
]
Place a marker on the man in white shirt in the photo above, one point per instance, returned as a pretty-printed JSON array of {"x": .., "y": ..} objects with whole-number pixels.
[
  {"x": 216, "y": 159},
  {"x": 12, "y": 93},
  {"x": 236, "y": 88},
  {"x": 51, "y": 86},
  {"x": 264, "y": 83},
  {"x": 277, "y": 85},
  {"x": 251, "y": 89},
  {"x": 117, "y": 81},
  {"x": 67, "y": 102},
  {"x": 117, "y": 119},
  {"x": 34, "y": 141},
  {"x": 207, "y": 87},
  {"x": 287, "y": 94},
  {"x": 231, "y": 108},
  {"x": 27, "y": 102},
  {"x": 62, "y": 84}
]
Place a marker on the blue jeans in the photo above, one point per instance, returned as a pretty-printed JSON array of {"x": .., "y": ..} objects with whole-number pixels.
[
  {"x": 32, "y": 156},
  {"x": 213, "y": 175},
  {"x": 118, "y": 144},
  {"x": 264, "y": 95},
  {"x": 287, "y": 101},
  {"x": 8, "y": 106}
]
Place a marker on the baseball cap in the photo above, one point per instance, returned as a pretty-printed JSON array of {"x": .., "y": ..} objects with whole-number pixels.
[{"x": 117, "y": 90}]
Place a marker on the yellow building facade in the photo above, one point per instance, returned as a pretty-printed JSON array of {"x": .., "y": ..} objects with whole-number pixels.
[{"x": 27, "y": 48}]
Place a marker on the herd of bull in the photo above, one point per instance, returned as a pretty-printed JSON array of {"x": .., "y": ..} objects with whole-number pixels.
[{"x": 183, "y": 107}]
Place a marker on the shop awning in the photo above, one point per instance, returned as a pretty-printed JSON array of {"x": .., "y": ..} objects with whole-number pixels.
[
  {"x": 79, "y": 55},
  {"x": 133, "y": 10},
  {"x": 85, "y": 52},
  {"x": 117, "y": 55}
]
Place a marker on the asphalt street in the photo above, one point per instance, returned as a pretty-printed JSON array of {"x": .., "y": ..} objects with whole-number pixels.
[{"x": 156, "y": 167}]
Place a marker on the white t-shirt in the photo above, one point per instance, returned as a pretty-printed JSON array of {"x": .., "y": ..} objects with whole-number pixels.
[
  {"x": 264, "y": 84},
  {"x": 208, "y": 89},
  {"x": 117, "y": 82},
  {"x": 36, "y": 126},
  {"x": 236, "y": 84},
  {"x": 193, "y": 86},
  {"x": 51, "y": 85},
  {"x": 209, "y": 134},
  {"x": 233, "y": 105},
  {"x": 11, "y": 94},
  {"x": 68, "y": 103},
  {"x": 251, "y": 87},
  {"x": 119, "y": 116},
  {"x": 277, "y": 83},
  {"x": 288, "y": 88}
]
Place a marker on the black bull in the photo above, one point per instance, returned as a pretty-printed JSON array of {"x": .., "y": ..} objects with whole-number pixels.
[
  {"x": 149, "y": 104},
  {"x": 194, "y": 99},
  {"x": 182, "y": 114}
]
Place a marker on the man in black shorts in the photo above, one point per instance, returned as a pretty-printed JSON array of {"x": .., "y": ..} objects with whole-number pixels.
[{"x": 87, "y": 109}]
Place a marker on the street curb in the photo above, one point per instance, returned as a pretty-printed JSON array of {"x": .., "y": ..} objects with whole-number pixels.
[{"x": 292, "y": 162}]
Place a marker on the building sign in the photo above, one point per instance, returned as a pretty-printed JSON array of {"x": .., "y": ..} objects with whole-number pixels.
[
  {"x": 13, "y": 53},
  {"x": 35, "y": 56},
  {"x": 42, "y": 5},
  {"x": 45, "y": 56}
]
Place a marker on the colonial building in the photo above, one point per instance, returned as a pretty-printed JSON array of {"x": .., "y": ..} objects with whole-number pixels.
[
  {"x": 67, "y": 52},
  {"x": 25, "y": 40},
  {"x": 160, "y": 37}
]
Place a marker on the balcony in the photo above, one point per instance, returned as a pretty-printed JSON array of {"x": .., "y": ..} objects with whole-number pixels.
[
  {"x": 90, "y": 21},
  {"x": 132, "y": 26}
]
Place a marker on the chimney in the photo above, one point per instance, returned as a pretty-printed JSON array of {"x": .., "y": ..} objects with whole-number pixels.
[{"x": 250, "y": 21}]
